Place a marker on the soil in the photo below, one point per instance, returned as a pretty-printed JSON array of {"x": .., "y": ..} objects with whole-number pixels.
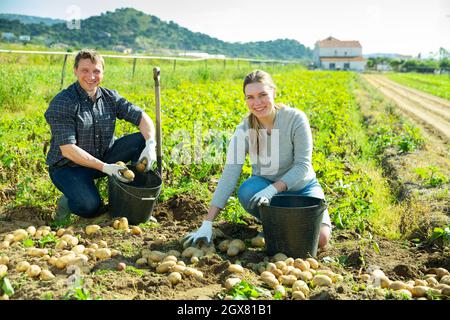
[{"x": 347, "y": 254}]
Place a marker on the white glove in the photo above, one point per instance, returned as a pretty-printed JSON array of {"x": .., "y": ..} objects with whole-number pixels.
[
  {"x": 114, "y": 170},
  {"x": 205, "y": 231},
  {"x": 149, "y": 153},
  {"x": 263, "y": 197}
]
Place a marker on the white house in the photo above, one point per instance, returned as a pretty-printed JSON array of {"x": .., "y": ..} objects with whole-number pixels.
[{"x": 334, "y": 54}]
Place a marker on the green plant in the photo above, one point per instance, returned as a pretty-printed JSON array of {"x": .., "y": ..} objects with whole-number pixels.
[
  {"x": 48, "y": 239},
  {"x": 431, "y": 176},
  {"x": 440, "y": 236},
  {"x": 233, "y": 211},
  {"x": 6, "y": 286},
  {"x": 28, "y": 242},
  {"x": 246, "y": 291},
  {"x": 78, "y": 292}
]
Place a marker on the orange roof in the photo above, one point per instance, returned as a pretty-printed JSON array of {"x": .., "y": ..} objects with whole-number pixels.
[
  {"x": 342, "y": 59},
  {"x": 331, "y": 42}
]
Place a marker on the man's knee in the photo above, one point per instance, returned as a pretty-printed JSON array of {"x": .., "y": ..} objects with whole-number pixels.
[
  {"x": 87, "y": 207},
  {"x": 325, "y": 235}
]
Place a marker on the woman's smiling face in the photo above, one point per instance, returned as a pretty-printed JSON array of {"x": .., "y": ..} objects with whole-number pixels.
[{"x": 260, "y": 99}]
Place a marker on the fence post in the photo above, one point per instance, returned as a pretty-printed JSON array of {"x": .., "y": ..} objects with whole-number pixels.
[
  {"x": 63, "y": 72},
  {"x": 134, "y": 67},
  {"x": 174, "y": 64},
  {"x": 238, "y": 66},
  {"x": 224, "y": 63}
]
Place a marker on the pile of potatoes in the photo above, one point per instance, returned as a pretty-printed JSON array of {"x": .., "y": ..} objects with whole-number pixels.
[
  {"x": 67, "y": 251},
  {"x": 296, "y": 274},
  {"x": 169, "y": 262},
  {"x": 122, "y": 224},
  {"x": 436, "y": 282}
]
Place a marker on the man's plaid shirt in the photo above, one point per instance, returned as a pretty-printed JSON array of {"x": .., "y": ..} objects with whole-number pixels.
[{"x": 76, "y": 119}]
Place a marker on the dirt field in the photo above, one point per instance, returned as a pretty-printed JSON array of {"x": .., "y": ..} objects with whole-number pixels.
[
  {"x": 430, "y": 112},
  {"x": 348, "y": 255}
]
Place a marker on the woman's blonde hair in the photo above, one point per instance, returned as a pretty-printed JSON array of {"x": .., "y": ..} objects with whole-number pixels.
[{"x": 258, "y": 76}]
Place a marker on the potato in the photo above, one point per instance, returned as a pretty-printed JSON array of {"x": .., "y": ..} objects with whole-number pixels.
[
  {"x": 446, "y": 290},
  {"x": 208, "y": 250},
  {"x": 277, "y": 272},
  {"x": 4, "y": 244},
  {"x": 116, "y": 224},
  {"x": 60, "y": 232},
  {"x": 20, "y": 234},
  {"x": 141, "y": 262},
  {"x": 135, "y": 230},
  {"x": 267, "y": 274},
  {"x": 300, "y": 285},
  {"x": 231, "y": 282},
  {"x": 70, "y": 240},
  {"x": 92, "y": 229},
  {"x": 365, "y": 277},
  {"x": 23, "y": 266},
  {"x": 287, "y": 280},
  {"x": 121, "y": 163},
  {"x": 121, "y": 266},
  {"x": 102, "y": 244},
  {"x": 9, "y": 237},
  {"x": 170, "y": 258},
  {"x": 103, "y": 253},
  {"x": 4, "y": 260},
  {"x": 156, "y": 256},
  {"x": 305, "y": 276},
  {"x": 178, "y": 268},
  {"x": 78, "y": 249},
  {"x": 445, "y": 280},
  {"x": 419, "y": 291},
  {"x": 280, "y": 265},
  {"x": 238, "y": 243},
  {"x": 31, "y": 230},
  {"x": 328, "y": 273},
  {"x": 279, "y": 257},
  {"x": 313, "y": 263},
  {"x": 271, "y": 266},
  {"x": 258, "y": 242},
  {"x": 189, "y": 271},
  {"x": 194, "y": 260},
  {"x": 297, "y": 273},
  {"x": 298, "y": 295},
  {"x": 52, "y": 261},
  {"x": 223, "y": 246},
  {"x": 432, "y": 282},
  {"x": 46, "y": 275},
  {"x": 128, "y": 174},
  {"x": 35, "y": 252},
  {"x": 33, "y": 271},
  {"x": 123, "y": 223},
  {"x": 114, "y": 252},
  {"x": 140, "y": 167},
  {"x": 322, "y": 280},
  {"x": 301, "y": 264},
  {"x": 397, "y": 285},
  {"x": 181, "y": 263},
  {"x": 270, "y": 282},
  {"x": 235, "y": 268},
  {"x": 3, "y": 270},
  {"x": 232, "y": 251},
  {"x": 289, "y": 261},
  {"x": 61, "y": 244},
  {"x": 174, "y": 277},
  {"x": 165, "y": 266}
]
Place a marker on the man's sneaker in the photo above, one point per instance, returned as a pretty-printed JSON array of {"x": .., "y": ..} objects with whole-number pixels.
[{"x": 62, "y": 212}]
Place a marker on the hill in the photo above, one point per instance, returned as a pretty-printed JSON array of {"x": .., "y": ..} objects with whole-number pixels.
[
  {"x": 142, "y": 32},
  {"x": 30, "y": 19}
]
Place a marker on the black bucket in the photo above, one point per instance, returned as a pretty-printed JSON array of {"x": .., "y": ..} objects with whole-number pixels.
[
  {"x": 134, "y": 200},
  {"x": 292, "y": 225}
]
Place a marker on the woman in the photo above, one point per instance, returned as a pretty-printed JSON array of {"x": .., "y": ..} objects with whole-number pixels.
[{"x": 279, "y": 141}]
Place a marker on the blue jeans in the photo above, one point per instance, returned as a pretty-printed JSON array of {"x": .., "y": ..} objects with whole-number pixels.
[
  {"x": 77, "y": 183},
  {"x": 255, "y": 184}
]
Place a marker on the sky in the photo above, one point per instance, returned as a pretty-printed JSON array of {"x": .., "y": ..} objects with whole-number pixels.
[{"x": 382, "y": 26}]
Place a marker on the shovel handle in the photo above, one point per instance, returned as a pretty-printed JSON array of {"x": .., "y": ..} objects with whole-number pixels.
[{"x": 156, "y": 78}]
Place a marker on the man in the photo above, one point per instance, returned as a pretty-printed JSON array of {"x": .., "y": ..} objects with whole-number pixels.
[{"x": 82, "y": 120}]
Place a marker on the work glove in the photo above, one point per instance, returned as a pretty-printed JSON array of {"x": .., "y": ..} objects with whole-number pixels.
[
  {"x": 205, "y": 231},
  {"x": 114, "y": 170},
  {"x": 148, "y": 153},
  {"x": 263, "y": 197}
]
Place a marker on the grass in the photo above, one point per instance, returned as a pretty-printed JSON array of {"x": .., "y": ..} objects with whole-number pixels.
[{"x": 438, "y": 85}]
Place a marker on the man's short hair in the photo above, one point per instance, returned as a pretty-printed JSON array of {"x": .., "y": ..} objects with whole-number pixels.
[{"x": 90, "y": 54}]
